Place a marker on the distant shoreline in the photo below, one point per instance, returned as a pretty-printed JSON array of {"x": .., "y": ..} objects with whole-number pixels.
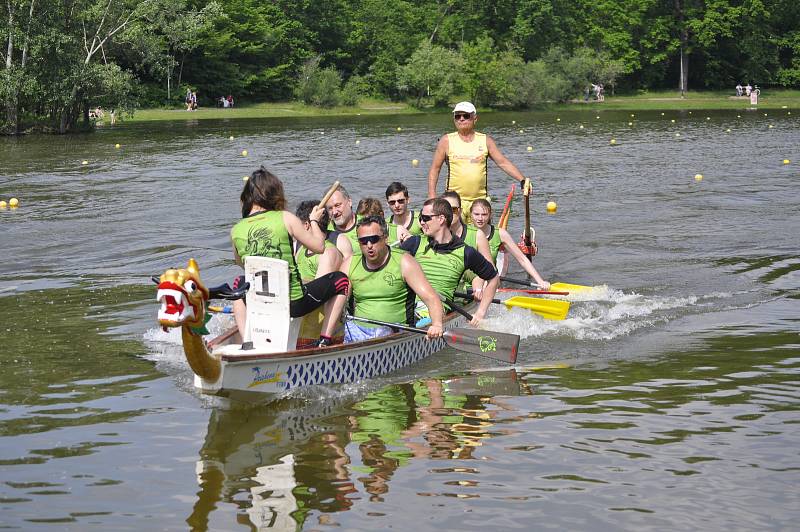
[{"x": 655, "y": 101}]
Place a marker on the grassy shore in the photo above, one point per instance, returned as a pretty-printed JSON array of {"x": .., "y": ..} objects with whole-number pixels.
[{"x": 655, "y": 101}]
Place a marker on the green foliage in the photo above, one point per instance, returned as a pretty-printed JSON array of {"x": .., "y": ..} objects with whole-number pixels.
[
  {"x": 318, "y": 86},
  {"x": 431, "y": 72},
  {"x": 353, "y": 90}
]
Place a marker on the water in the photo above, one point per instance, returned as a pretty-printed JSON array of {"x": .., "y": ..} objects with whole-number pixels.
[{"x": 667, "y": 399}]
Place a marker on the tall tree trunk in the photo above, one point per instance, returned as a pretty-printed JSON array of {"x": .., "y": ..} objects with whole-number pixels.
[{"x": 683, "y": 82}]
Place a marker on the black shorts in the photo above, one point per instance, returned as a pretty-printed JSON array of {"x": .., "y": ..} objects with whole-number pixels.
[{"x": 318, "y": 292}]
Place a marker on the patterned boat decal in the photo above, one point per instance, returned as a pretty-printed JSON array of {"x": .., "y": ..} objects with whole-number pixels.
[{"x": 360, "y": 366}]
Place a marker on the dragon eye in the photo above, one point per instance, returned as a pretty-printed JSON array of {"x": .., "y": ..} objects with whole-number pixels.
[{"x": 190, "y": 286}]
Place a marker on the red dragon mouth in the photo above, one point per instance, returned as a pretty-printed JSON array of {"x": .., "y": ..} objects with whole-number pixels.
[{"x": 175, "y": 306}]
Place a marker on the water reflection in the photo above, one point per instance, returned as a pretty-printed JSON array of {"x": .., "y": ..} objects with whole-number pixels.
[{"x": 281, "y": 463}]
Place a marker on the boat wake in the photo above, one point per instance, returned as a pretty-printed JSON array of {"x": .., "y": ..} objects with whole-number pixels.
[{"x": 602, "y": 313}]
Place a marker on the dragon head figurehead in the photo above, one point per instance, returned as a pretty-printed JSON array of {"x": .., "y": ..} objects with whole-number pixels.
[
  {"x": 183, "y": 297},
  {"x": 183, "y": 301}
]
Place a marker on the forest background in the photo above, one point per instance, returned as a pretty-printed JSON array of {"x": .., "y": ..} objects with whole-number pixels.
[{"x": 61, "y": 58}]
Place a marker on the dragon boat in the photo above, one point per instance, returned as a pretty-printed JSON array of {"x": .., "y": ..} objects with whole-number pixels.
[{"x": 267, "y": 359}]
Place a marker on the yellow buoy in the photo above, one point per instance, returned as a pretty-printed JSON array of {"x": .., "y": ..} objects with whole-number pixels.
[
  {"x": 551, "y": 206},
  {"x": 788, "y": 112},
  {"x": 116, "y": 146},
  {"x": 708, "y": 118},
  {"x": 530, "y": 148},
  {"x": 672, "y": 120},
  {"x": 244, "y": 153},
  {"x": 399, "y": 129},
  {"x": 786, "y": 161},
  {"x": 728, "y": 130},
  {"x": 580, "y": 126},
  {"x": 558, "y": 120},
  {"x": 13, "y": 202},
  {"x": 513, "y": 122},
  {"x": 765, "y": 114},
  {"x": 3, "y": 204},
  {"x": 662, "y": 114},
  {"x": 245, "y": 177},
  {"x": 698, "y": 177},
  {"x": 415, "y": 163},
  {"x": 771, "y": 126},
  {"x": 677, "y": 134},
  {"x": 738, "y": 116},
  {"x": 613, "y": 141},
  {"x": 84, "y": 162},
  {"x": 630, "y": 123},
  {"x": 358, "y": 142},
  {"x": 598, "y": 117},
  {"x": 230, "y": 138},
  {"x": 522, "y": 131},
  {"x": 632, "y": 115}
]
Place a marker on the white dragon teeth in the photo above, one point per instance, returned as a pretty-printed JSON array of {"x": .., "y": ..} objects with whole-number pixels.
[{"x": 180, "y": 298}]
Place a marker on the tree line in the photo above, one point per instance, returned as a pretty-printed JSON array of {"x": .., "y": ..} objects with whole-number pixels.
[{"x": 63, "y": 57}]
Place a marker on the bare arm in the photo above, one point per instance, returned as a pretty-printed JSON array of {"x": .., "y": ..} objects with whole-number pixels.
[
  {"x": 514, "y": 251},
  {"x": 482, "y": 245},
  {"x": 436, "y": 165},
  {"x": 313, "y": 238},
  {"x": 416, "y": 280},
  {"x": 501, "y": 161},
  {"x": 344, "y": 246},
  {"x": 488, "y": 294}
]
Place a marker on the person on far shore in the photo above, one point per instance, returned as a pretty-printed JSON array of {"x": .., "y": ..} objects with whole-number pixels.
[
  {"x": 738, "y": 89},
  {"x": 748, "y": 89},
  {"x": 467, "y": 155},
  {"x": 230, "y": 100}
]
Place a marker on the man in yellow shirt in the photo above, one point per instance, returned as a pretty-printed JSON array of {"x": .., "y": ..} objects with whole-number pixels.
[{"x": 467, "y": 155}]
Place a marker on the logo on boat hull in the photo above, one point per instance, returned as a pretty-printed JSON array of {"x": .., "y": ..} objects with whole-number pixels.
[
  {"x": 487, "y": 343},
  {"x": 264, "y": 377}
]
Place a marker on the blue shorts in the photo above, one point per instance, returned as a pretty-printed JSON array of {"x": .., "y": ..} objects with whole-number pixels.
[{"x": 355, "y": 332}]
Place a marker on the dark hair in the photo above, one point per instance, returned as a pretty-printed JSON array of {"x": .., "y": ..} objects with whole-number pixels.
[
  {"x": 396, "y": 187},
  {"x": 262, "y": 189},
  {"x": 481, "y": 202},
  {"x": 373, "y": 219},
  {"x": 369, "y": 207},
  {"x": 452, "y": 194},
  {"x": 441, "y": 206},
  {"x": 304, "y": 211}
]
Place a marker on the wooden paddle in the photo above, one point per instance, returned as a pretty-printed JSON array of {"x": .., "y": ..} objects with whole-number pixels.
[
  {"x": 495, "y": 345},
  {"x": 328, "y": 194},
  {"x": 550, "y": 309},
  {"x": 559, "y": 287}
]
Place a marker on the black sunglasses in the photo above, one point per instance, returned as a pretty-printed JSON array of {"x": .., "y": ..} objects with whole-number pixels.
[
  {"x": 425, "y": 218},
  {"x": 400, "y": 201},
  {"x": 462, "y": 116},
  {"x": 371, "y": 239}
]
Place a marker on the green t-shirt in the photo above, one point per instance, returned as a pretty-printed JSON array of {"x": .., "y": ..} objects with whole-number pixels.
[
  {"x": 443, "y": 269},
  {"x": 381, "y": 294},
  {"x": 494, "y": 242},
  {"x": 352, "y": 235},
  {"x": 413, "y": 226},
  {"x": 263, "y": 234},
  {"x": 308, "y": 263}
]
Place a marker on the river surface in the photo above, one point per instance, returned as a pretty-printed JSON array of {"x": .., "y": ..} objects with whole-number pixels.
[{"x": 668, "y": 399}]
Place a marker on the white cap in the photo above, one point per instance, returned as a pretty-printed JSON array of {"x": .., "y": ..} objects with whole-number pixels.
[{"x": 465, "y": 107}]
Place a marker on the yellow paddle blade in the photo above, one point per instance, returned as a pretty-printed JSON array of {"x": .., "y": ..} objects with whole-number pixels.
[
  {"x": 566, "y": 287},
  {"x": 551, "y": 309}
]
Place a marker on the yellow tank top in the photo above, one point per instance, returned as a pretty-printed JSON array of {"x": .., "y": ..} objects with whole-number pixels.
[{"x": 467, "y": 164}]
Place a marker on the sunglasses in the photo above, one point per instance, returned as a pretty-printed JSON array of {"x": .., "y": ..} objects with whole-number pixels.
[
  {"x": 425, "y": 218},
  {"x": 400, "y": 201},
  {"x": 462, "y": 116},
  {"x": 455, "y": 209},
  {"x": 371, "y": 239}
]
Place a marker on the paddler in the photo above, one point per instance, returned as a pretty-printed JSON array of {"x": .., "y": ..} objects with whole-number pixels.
[
  {"x": 384, "y": 282},
  {"x": 500, "y": 239},
  {"x": 444, "y": 258},
  {"x": 313, "y": 265},
  {"x": 467, "y": 155},
  {"x": 268, "y": 230},
  {"x": 340, "y": 210},
  {"x": 401, "y": 216}
]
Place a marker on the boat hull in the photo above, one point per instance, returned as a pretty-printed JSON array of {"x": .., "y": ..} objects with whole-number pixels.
[{"x": 277, "y": 373}]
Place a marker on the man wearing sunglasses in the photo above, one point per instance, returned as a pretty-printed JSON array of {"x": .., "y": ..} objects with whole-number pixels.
[
  {"x": 403, "y": 218},
  {"x": 467, "y": 155},
  {"x": 444, "y": 258},
  {"x": 384, "y": 284}
]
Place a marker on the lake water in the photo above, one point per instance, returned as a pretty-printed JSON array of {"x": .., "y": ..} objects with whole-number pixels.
[{"x": 668, "y": 399}]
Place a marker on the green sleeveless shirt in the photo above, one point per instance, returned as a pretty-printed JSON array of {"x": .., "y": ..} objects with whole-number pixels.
[
  {"x": 413, "y": 227},
  {"x": 444, "y": 269},
  {"x": 494, "y": 242},
  {"x": 263, "y": 234},
  {"x": 308, "y": 263},
  {"x": 381, "y": 294}
]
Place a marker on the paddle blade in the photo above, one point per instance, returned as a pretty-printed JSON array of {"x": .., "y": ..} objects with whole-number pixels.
[
  {"x": 496, "y": 345},
  {"x": 566, "y": 287},
  {"x": 551, "y": 309}
]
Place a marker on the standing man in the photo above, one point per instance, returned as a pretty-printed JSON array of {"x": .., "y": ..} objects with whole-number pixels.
[
  {"x": 444, "y": 258},
  {"x": 467, "y": 155},
  {"x": 340, "y": 211},
  {"x": 401, "y": 217},
  {"x": 384, "y": 285}
]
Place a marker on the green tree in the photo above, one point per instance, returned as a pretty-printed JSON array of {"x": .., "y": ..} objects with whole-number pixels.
[{"x": 431, "y": 72}]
